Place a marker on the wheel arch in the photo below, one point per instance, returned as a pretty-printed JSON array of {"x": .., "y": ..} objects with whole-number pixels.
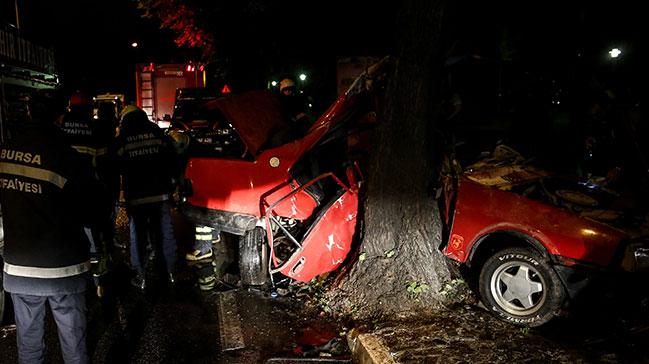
[{"x": 494, "y": 241}]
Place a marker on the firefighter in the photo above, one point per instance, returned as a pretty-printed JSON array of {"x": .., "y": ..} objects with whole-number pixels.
[
  {"x": 47, "y": 195},
  {"x": 293, "y": 103},
  {"x": 83, "y": 136},
  {"x": 77, "y": 125},
  {"x": 104, "y": 130},
  {"x": 145, "y": 160},
  {"x": 295, "y": 109}
]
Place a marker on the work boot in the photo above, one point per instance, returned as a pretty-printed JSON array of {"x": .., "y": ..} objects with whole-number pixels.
[
  {"x": 206, "y": 283},
  {"x": 139, "y": 281},
  {"x": 199, "y": 255}
]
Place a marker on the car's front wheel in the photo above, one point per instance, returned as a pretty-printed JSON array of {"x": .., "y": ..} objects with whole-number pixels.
[
  {"x": 253, "y": 258},
  {"x": 520, "y": 287}
]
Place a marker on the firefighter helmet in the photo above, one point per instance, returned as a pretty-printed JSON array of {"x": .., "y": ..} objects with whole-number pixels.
[
  {"x": 286, "y": 83},
  {"x": 128, "y": 109}
]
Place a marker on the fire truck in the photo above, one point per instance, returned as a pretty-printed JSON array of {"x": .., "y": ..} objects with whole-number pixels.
[{"x": 156, "y": 86}]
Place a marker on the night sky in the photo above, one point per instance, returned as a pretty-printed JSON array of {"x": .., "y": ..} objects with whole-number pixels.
[{"x": 92, "y": 38}]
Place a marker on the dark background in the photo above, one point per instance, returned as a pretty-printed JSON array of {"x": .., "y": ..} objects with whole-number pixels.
[{"x": 500, "y": 55}]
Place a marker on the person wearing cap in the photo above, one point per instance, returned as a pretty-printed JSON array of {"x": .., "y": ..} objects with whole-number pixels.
[
  {"x": 294, "y": 107},
  {"x": 47, "y": 195},
  {"x": 292, "y": 101},
  {"x": 83, "y": 135}
]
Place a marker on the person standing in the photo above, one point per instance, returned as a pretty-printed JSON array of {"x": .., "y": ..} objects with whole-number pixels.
[
  {"x": 145, "y": 160},
  {"x": 104, "y": 130},
  {"x": 294, "y": 106},
  {"x": 47, "y": 196},
  {"x": 82, "y": 134}
]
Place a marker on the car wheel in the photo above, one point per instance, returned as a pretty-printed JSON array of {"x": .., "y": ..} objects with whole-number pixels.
[
  {"x": 520, "y": 287},
  {"x": 253, "y": 258}
]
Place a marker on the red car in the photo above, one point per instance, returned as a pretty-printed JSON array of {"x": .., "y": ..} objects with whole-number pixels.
[
  {"x": 293, "y": 204},
  {"x": 535, "y": 240}
]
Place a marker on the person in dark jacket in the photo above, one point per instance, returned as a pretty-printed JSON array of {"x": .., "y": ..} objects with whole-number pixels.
[
  {"x": 92, "y": 143},
  {"x": 46, "y": 195},
  {"x": 104, "y": 129},
  {"x": 145, "y": 160},
  {"x": 294, "y": 106},
  {"x": 78, "y": 128}
]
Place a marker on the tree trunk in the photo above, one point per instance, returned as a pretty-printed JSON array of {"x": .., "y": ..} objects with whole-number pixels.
[{"x": 400, "y": 268}]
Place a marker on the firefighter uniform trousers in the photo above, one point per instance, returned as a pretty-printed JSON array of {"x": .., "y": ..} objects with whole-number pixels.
[
  {"x": 152, "y": 218},
  {"x": 70, "y": 316}
]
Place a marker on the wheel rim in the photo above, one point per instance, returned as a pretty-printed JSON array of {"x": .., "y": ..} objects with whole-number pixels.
[{"x": 518, "y": 288}]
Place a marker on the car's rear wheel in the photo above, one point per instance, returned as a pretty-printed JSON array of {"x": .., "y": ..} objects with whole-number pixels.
[
  {"x": 520, "y": 287},
  {"x": 253, "y": 258}
]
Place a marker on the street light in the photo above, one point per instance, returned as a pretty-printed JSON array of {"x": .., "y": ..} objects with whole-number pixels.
[
  {"x": 273, "y": 83},
  {"x": 615, "y": 52},
  {"x": 302, "y": 77},
  {"x": 134, "y": 44}
]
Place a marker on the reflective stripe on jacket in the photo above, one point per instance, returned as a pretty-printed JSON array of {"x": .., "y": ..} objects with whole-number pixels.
[
  {"x": 38, "y": 272},
  {"x": 47, "y": 194}
]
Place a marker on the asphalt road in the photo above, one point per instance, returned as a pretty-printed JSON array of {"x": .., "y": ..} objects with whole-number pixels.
[{"x": 180, "y": 323}]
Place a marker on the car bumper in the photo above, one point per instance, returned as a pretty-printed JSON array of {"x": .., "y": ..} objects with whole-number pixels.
[{"x": 229, "y": 222}]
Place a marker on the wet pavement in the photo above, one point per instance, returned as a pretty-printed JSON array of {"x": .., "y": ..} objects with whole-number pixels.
[
  {"x": 467, "y": 333},
  {"x": 180, "y": 323},
  {"x": 183, "y": 323}
]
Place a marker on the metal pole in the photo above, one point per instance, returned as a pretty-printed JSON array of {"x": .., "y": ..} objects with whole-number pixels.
[{"x": 17, "y": 16}]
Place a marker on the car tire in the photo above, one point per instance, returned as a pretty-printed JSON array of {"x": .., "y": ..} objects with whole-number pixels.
[
  {"x": 519, "y": 286},
  {"x": 253, "y": 258}
]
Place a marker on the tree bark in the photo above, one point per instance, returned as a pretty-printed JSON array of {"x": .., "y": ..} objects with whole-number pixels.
[{"x": 402, "y": 227}]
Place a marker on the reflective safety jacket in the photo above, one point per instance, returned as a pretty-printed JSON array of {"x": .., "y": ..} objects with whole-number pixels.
[
  {"x": 82, "y": 136},
  {"x": 46, "y": 195},
  {"x": 145, "y": 159}
]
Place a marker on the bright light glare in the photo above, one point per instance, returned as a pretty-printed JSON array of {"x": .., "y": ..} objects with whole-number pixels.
[
  {"x": 302, "y": 76},
  {"x": 134, "y": 44},
  {"x": 615, "y": 52},
  {"x": 274, "y": 83}
]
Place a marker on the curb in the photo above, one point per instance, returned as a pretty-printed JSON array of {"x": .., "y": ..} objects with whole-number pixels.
[{"x": 368, "y": 349}]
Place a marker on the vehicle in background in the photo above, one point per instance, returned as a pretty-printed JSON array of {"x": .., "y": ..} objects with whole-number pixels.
[
  {"x": 116, "y": 99},
  {"x": 209, "y": 131},
  {"x": 189, "y": 106},
  {"x": 156, "y": 86}
]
